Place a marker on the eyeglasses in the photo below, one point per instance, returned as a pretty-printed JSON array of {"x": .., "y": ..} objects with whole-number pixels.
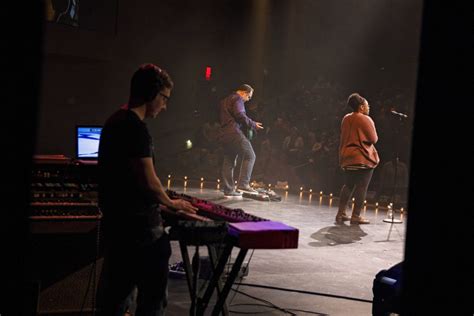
[{"x": 167, "y": 98}]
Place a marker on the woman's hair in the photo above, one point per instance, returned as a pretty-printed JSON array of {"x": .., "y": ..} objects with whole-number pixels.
[{"x": 355, "y": 100}]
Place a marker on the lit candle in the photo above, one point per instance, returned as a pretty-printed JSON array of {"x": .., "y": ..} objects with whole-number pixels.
[
  {"x": 218, "y": 180},
  {"x": 169, "y": 176},
  {"x": 320, "y": 192},
  {"x": 202, "y": 179},
  {"x": 185, "y": 177}
]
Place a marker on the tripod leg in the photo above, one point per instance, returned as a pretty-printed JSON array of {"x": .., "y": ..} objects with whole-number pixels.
[
  {"x": 196, "y": 265},
  {"x": 224, "y": 256},
  {"x": 189, "y": 275},
  {"x": 230, "y": 281},
  {"x": 214, "y": 260}
]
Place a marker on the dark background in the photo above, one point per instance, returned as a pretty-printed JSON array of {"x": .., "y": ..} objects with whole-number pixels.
[
  {"x": 276, "y": 46},
  {"x": 94, "y": 65}
]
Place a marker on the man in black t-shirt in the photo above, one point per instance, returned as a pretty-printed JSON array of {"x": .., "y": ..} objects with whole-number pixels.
[{"x": 137, "y": 248}]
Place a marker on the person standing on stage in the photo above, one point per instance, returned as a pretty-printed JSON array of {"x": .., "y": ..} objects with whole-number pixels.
[
  {"x": 137, "y": 248},
  {"x": 233, "y": 119},
  {"x": 357, "y": 157}
]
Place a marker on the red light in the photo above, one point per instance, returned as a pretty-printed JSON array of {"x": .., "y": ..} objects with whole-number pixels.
[{"x": 208, "y": 73}]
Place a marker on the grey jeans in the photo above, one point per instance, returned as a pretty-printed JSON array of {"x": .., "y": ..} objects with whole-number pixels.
[{"x": 233, "y": 148}]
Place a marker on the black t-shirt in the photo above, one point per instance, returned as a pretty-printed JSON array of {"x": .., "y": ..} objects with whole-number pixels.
[{"x": 123, "y": 200}]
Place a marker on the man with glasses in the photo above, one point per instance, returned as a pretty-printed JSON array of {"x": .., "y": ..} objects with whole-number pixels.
[
  {"x": 137, "y": 248},
  {"x": 233, "y": 119}
]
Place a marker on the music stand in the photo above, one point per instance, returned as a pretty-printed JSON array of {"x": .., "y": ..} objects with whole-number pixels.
[{"x": 391, "y": 218}]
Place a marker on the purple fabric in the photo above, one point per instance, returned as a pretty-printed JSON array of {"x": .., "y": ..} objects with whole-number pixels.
[
  {"x": 264, "y": 235},
  {"x": 234, "y": 228}
]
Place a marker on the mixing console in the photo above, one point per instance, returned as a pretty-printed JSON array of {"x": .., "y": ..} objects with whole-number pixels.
[{"x": 63, "y": 195}]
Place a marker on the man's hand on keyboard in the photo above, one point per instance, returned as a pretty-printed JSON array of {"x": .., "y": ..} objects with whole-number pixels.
[{"x": 182, "y": 205}]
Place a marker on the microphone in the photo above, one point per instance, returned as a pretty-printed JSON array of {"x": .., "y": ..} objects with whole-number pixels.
[{"x": 401, "y": 115}]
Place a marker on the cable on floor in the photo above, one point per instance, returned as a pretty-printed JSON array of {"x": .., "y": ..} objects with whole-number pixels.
[{"x": 305, "y": 292}]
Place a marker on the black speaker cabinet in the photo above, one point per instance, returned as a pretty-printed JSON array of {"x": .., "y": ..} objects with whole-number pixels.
[{"x": 66, "y": 269}]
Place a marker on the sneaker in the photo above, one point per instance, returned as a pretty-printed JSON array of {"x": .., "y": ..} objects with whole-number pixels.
[
  {"x": 341, "y": 218},
  {"x": 232, "y": 193},
  {"x": 359, "y": 220},
  {"x": 247, "y": 188}
]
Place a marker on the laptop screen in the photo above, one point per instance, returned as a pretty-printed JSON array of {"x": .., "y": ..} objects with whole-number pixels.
[{"x": 87, "y": 141}]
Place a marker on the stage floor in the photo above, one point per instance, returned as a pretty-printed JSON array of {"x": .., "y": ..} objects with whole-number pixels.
[{"x": 334, "y": 260}]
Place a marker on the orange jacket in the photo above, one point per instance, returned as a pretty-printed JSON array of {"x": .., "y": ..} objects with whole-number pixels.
[{"x": 358, "y": 136}]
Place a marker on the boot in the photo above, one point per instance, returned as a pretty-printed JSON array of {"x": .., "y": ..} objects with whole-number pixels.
[
  {"x": 341, "y": 218},
  {"x": 359, "y": 220}
]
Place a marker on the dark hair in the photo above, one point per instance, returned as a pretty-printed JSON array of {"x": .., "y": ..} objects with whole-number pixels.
[
  {"x": 354, "y": 101},
  {"x": 245, "y": 87},
  {"x": 146, "y": 82}
]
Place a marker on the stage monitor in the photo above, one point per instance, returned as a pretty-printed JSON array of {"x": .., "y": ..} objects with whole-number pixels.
[{"x": 87, "y": 141}]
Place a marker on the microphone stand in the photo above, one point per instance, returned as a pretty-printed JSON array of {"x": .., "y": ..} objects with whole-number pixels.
[{"x": 391, "y": 206}]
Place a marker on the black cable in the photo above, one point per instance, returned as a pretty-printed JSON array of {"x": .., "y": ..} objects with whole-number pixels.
[
  {"x": 246, "y": 313},
  {"x": 306, "y": 292},
  {"x": 263, "y": 305},
  {"x": 305, "y": 311},
  {"x": 246, "y": 267},
  {"x": 253, "y": 312},
  {"x": 269, "y": 304}
]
